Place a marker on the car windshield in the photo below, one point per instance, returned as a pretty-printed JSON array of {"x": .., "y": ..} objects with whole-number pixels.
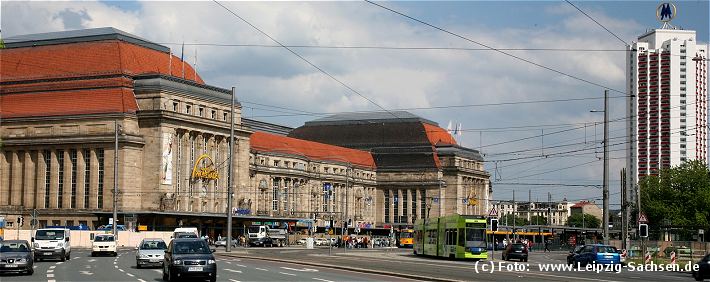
[
  {"x": 153, "y": 245},
  {"x": 253, "y": 229},
  {"x": 103, "y": 239},
  {"x": 187, "y": 235},
  {"x": 518, "y": 247},
  {"x": 7, "y": 247},
  {"x": 191, "y": 247},
  {"x": 606, "y": 249},
  {"x": 406, "y": 235},
  {"x": 49, "y": 235}
]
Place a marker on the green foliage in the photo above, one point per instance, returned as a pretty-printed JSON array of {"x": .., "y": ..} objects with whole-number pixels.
[
  {"x": 680, "y": 196},
  {"x": 589, "y": 221},
  {"x": 508, "y": 220},
  {"x": 538, "y": 220}
]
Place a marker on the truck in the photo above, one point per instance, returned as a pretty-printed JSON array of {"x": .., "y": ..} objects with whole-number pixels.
[
  {"x": 180, "y": 232},
  {"x": 263, "y": 231}
]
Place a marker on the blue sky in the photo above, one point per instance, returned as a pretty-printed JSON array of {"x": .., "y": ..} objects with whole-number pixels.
[{"x": 405, "y": 79}]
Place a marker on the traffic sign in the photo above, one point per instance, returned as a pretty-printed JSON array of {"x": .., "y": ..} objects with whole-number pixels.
[
  {"x": 493, "y": 213},
  {"x": 643, "y": 218}
]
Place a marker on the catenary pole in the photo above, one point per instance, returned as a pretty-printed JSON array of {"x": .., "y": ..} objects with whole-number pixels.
[
  {"x": 115, "y": 178},
  {"x": 605, "y": 191},
  {"x": 230, "y": 178}
]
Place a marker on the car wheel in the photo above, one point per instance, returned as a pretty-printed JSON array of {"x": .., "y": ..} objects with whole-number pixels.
[
  {"x": 138, "y": 265},
  {"x": 36, "y": 259},
  {"x": 68, "y": 255},
  {"x": 171, "y": 277},
  {"x": 526, "y": 260},
  {"x": 93, "y": 254},
  {"x": 697, "y": 276},
  {"x": 115, "y": 254},
  {"x": 213, "y": 278},
  {"x": 64, "y": 256}
]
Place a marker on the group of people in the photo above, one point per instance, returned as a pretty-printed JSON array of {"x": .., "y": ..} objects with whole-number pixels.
[{"x": 353, "y": 242}]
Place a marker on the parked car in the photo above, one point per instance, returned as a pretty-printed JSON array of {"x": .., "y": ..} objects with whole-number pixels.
[
  {"x": 16, "y": 256},
  {"x": 223, "y": 242},
  {"x": 516, "y": 251},
  {"x": 301, "y": 241},
  {"x": 262, "y": 242},
  {"x": 321, "y": 242},
  {"x": 703, "y": 269},
  {"x": 150, "y": 252},
  {"x": 104, "y": 244},
  {"x": 189, "y": 258},
  {"x": 570, "y": 256},
  {"x": 597, "y": 254}
]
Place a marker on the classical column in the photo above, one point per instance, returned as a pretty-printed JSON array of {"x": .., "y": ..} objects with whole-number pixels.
[
  {"x": 29, "y": 196},
  {"x": 16, "y": 178},
  {"x": 54, "y": 180}
]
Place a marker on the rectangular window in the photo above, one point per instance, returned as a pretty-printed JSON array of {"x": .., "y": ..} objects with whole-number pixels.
[
  {"x": 275, "y": 196},
  {"x": 201, "y": 111},
  {"x": 187, "y": 109},
  {"x": 47, "y": 176},
  {"x": 285, "y": 197},
  {"x": 72, "y": 158},
  {"x": 175, "y": 106},
  {"x": 414, "y": 205},
  {"x": 60, "y": 191},
  {"x": 395, "y": 207},
  {"x": 224, "y": 116},
  {"x": 192, "y": 161},
  {"x": 214, "y": 114},
  {"x": 387, "y": 206},
  {"x": 87, "y": 177},
  {"x": 326, "y": 196},
  {"x": 100, "y": 190},
  {"x": 179, "y": 165},
  {"x": 422, "y": 204}
]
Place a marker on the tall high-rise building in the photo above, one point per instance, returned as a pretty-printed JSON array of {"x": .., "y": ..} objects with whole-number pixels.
[{"x": 667, "y": 109}]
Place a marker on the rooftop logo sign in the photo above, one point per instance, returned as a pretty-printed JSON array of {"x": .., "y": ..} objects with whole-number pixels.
[{"x": 665, "y": 12}]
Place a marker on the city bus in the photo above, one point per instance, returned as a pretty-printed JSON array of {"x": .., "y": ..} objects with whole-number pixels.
[
  {"x": 455, "y": 236},
  {"x": 406, "y": 238}
]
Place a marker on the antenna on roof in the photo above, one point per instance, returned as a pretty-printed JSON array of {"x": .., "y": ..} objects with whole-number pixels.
[{"x": 182, "y": 58}]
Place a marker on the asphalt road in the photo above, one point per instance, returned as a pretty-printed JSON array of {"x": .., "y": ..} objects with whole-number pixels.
[
  {"x": 83, "y": 267},
  {"x": 402, "y": 261}
]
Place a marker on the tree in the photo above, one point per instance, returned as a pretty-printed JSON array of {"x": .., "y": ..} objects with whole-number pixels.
[
  {"x": 538, "y": 220},
  {"x": 590, "y": 221},
  {"x": 679, "y": 196},
  {"x": 508, "y": 220}
]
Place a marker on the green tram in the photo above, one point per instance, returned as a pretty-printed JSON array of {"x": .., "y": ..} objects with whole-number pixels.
[{"x": 454, "y": 236}]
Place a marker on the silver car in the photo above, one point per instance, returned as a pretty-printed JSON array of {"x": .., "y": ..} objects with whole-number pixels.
[
  {"x": 150, "y": 252},
  {"x": 16, "y": 256}
]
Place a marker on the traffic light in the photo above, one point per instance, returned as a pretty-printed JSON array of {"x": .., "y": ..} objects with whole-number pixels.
[
  {"x": 643, "y": 230},
  {"x": 494, "y": 224},
  {"x": 21, "y": 221}
]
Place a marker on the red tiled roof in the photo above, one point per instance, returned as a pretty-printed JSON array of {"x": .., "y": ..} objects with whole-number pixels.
[
  {"x": 581, "y": 204},
  {"x": 75, "y": 102},
  {"x": 266, "y": 142},
  {"x": 88, "y": 58},
  {"x": 438, "y": 135}
]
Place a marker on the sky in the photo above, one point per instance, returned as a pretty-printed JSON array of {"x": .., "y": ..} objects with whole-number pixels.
[{"x": 443, "y": 85}]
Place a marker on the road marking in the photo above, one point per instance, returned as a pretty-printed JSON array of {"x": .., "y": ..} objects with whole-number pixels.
[
  {"x": 115, "y": 262},
  {"x": 158, "y": 271},
  {"x": 232, "y": 270},
  {"x": 50, "y": 275},
  {"x": 50, "y": 270},
  {"x": 240, "y": 265},
  {"x": 286, "y": 273},
  {"x": 58, "y": 263},
  {"x": 229, "y": 262},
  {"x": 34, "y": 266},
  {"x": 322, "y": 280},
  {"x": 116, "y": 266},
  {"x": 86, "y": 272},
  {"x": 141, "y": 280},
  {"x": 301, "y": 270},
  {"x": 52, "y": 267},
  {"x": 52, "y": 280},
  {"x": 92, "y": 260},
  {"x": 131, "y": 275},
  {"x": 233, "y": 280},
  {"x": 121, "y": 270},
  {"x": 569, "y": 278},
  {"x": 260, "y": 269}
]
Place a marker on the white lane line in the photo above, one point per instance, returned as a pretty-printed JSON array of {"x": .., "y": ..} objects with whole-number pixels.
[
  {"x": 115, "y": 266},
  {"x": 131, "y": 275},
  {"x": 141, "y": 280},
  {"x": 52, "y": 280},
  {"x": 286, "y": 273},
  {"x": 232, "y": 270},
  {"x": 50, "y": 270},
  {"x": 121, "y": 270},
  {"x": 52, "y": 267},
  {"x": 233, "y": 280},
  {"x": 229, "y": 262},
  {"x": 115, "y": 262},
  {"x": 240, "y": 265},
  {"x": 158, "y": 271},
  {"x": 322, "y": 280},
  {"x": 50, "y": 275},
  {"x": 260, "y": 269},
  {"x": 92, "y": 260},
  {"x": 34, "y": 266}
]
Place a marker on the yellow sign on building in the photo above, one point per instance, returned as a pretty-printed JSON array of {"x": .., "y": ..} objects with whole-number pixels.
[{"x": 207, "y": 171}]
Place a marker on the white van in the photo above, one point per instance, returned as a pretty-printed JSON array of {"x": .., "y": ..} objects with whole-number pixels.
[
  {"x": 52, "y": 243},
  {"x": 180, "y": 232},
  {"x": 103, "y": 244}
]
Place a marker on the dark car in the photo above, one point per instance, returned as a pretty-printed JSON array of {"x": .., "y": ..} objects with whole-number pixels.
[
  {"x": 16, "y": 256},
  {"x": 189, "y": 258},
  {"x": 703, "y": 269},
  {"x": 597, "y": 254},
  {"x": 516, "y": 251},
  {"x": 262, "y": 242},
  {"x": 570, "y": 256}
]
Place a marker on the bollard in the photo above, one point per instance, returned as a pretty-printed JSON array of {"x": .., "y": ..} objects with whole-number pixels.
[
  {"x": 648, "y": 257},
  {"x": 673, "y": 257}
]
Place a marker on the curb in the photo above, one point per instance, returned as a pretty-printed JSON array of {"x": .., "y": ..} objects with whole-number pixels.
[{"x": 369, "y": 271}]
